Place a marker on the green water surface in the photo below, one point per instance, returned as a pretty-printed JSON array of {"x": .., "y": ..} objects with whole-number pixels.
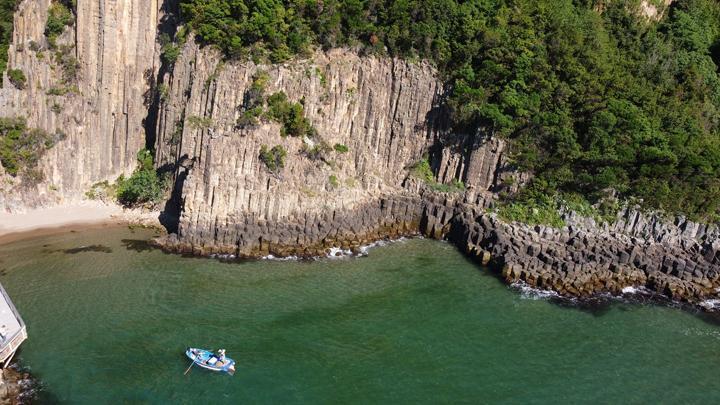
[{"x": 414, "y": 322}]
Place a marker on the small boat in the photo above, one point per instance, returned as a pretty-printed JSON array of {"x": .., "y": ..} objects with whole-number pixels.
[{"x": 207, "y": 359}]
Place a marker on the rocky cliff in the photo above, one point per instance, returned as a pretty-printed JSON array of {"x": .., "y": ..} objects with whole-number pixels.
[
  {"x": 354, "y": 180},
  {"x": 389, "y": 113},
  {"x": 99, "y": 110}
]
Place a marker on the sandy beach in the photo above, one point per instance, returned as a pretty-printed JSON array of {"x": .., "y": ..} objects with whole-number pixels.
[{"x": 14, "y": 226}]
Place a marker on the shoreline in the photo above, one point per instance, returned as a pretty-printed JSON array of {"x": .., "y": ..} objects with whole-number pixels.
[{"x": 60, "y": 218}]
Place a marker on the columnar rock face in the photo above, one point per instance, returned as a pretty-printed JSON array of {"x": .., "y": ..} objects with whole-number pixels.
[
  {"x": 682, "y": 261},
  {"x": 100, "y": 113},
  {"x": 389, "y": 113},
  {"x": 383, "y": 110}
]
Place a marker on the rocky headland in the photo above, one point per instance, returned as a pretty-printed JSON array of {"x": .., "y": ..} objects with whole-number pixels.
[{"x": 375, "y": 120}]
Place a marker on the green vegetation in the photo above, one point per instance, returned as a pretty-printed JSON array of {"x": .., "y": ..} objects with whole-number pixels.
[
  {"x": 65, "y": 58},
  {"x": 102, "y": 191},
  {"x": 590, "y": 101},
  {"x": 145, "y": 186},
  {"x": 333, "y": 181},
  {"x": 17, "y": 78},
  {"x": 422, "y": 171},
  {"x": 340, "y": 148},
  {"x": 274, "y": 158},
  {"x": 21, "y": 147},
  {"x": 199, "y": 123},
  {"x": 290, "y": 115},
  {"x": 59, "y": 17},
  {"x": 318, "y": 151},
  {"x": 169, "y": 51},
  {"x": 7, "y": 10},
  {"x": 62, "y": 90}
]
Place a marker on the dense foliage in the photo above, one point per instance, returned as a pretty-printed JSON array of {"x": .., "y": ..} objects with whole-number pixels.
[
  {"x": 145, "y": 186},
  {"x": 60, "y": 15},
  {"x": 594, "y": 97},
  {"x": 17, "y": 78},
  {"x": 21, "y": 147},
  {"x": 7, "y": 9},
  {"x": 290, "y": 115},
  {"x": 273, "y": 158}
]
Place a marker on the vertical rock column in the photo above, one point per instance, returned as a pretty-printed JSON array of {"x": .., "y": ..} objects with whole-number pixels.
[{"x": 115, "y": 44}]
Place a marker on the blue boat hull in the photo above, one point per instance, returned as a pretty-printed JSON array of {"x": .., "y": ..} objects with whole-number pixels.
[{"x": 207, "y": 359}]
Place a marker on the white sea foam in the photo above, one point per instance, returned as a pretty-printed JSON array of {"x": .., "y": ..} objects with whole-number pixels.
[
  {"x": 336, "y": 253},
  {"x": 280, "y": 259},
  {"x": 531, "y": 293},
  {"x": 711, "y": 304}
]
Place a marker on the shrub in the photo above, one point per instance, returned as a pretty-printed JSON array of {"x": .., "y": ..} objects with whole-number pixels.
[
  {"x": 318, "y": 151},
  {"x": 274, "y": 158},
  {"x": 290, "y": 115},
  {"x": 163, "y": 92},
  {"x": 170, "y": 53},
  {"x": 70, "y": 66},
  {"x": 200, "y": 123},
  {"x": 62, "y": 90},
  {"x": 144, "y": 186},
  {"x": 532, "y": 212},
  {"x": 59, "y": 17},
  {"x": 333, "y": 181},
  {"x": 21, "y": 147},
  {"x": 340, "y": 148},
  {"x": 248, "y": 118},
  {"x": 421, "y": 170},
  {"x": 101, "y": 191},
  {"x": 17, "y": 78}
]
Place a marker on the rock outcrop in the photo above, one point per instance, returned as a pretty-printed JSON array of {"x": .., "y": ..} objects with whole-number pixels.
[
  {"x": 353, "y": 182},
  {"x": 382, "y": 110},
  {"x": 100, "y": 112},
  {"x": 682, "y": 262}
]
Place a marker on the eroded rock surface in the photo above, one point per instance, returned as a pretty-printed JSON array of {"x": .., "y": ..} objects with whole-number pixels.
[{"x": 100, "y": 112}]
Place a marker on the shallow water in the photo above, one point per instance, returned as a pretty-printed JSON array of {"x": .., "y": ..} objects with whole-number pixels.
[{"x": 414, "y": 322}]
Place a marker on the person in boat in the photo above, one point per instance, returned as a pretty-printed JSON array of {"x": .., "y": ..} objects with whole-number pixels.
[{"x": 221, "y": 355}]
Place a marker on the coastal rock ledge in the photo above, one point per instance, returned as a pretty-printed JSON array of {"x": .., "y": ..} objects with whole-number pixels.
[
  {"x": 381, "y": 160},
  {"x": 390, "y": 116}
]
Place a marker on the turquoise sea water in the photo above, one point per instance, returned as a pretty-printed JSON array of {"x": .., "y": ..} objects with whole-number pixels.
[{"x": 414, "y": 322}]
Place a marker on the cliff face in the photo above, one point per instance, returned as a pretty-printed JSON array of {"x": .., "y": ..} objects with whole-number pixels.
[
  {"x": 388, "y": 113},
  {"x": 101, "y": 112},
  {"x": 383, "y": 110}
]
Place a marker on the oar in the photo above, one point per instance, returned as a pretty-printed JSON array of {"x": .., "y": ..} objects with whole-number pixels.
[{"x": 188, "y": 369}]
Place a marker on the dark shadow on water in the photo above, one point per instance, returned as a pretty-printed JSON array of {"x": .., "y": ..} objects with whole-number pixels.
[
  {"x": 595, "y": 306},
  {"x": 138, "y": 245},
  {"x": 91, "y": 248}
]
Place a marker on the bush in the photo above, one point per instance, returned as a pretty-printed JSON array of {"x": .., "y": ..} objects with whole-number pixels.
[
  {"x": 249, "y": 118},
  {"x": 318, "y": 151},
  {"x": 17, "y": 78},
  {"x": 21, "y": 147},
  {"x": 421, "y": 170},
  {"x": 290, "y": 115},
  {"x": 59, "y": 17},
  {"x": 70, "y": 66},
  {"x": 199, "y": 123},
  {"x": 144, "y": 186},
  {"x": 170, "y": 53},
  {"x": 333, "y": 181},
  {"x": 531, "y": 213},
  {"x": 340, "y": 148},
  {"x": 274, "y": 158}
]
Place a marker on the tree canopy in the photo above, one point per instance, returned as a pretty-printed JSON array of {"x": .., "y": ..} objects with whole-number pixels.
[{"x": 592, "y": 95}]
